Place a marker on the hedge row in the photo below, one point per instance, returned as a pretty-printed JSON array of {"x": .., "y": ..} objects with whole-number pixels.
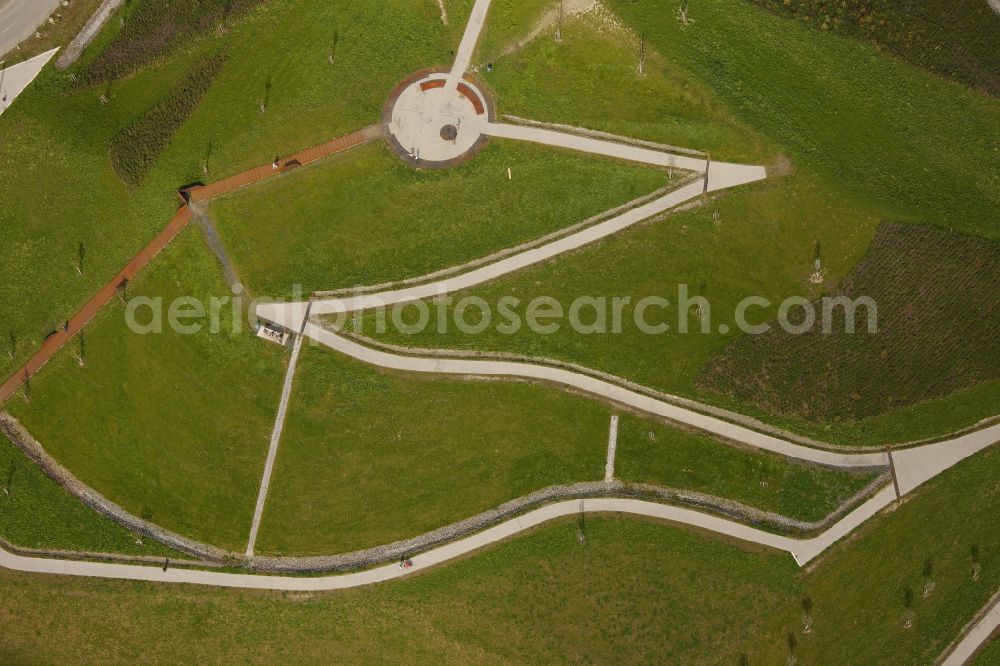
[
  {"x": 938, "y": 322},
  {"x": 135, "y": 149},
  {"x": 152, "y": 28},
  {"x": 956, "y": 39}
]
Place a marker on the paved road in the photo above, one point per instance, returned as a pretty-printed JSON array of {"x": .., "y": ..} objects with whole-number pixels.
[{"x": 20, "y": 18}]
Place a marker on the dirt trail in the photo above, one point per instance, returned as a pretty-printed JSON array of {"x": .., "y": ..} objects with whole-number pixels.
[{"x": 550, "y": 18}]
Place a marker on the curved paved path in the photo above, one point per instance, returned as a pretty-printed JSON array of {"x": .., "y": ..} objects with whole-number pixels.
[
  {"x": 803, "y": 550},
  {"x": 597, "y": 387}
]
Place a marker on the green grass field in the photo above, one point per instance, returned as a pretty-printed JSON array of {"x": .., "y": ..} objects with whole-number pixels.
[
  {"x": 545, "y": 81},
  {"x": 637, "y": 591},
  {"x": 35, "y": 512},
  {"x": 368, "y": 458},
  {"x": 173, "y": 427},
  {"x": 55, "y": 142},
  {"x": 649, "y": 452},
  {"x": 935, "y": 334},
  {"x": 850, "y": 171},
  {"x": 367, "y": 218}
]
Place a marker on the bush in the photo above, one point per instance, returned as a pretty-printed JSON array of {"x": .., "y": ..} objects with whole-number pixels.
[
  {"x": 135, "y": 149},
  {"x": 152, "y": 28}
]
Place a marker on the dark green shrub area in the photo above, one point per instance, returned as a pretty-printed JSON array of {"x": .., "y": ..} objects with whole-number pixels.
[
  {"x": 135, "y": 149},
  {"x": 151, "y": 28},
  {"x": 957, "y": 39},
  {"x": 938, "y": 322}
]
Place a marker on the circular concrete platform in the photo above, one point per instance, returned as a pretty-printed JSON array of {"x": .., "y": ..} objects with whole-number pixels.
[{"x": 433, "y": 121}]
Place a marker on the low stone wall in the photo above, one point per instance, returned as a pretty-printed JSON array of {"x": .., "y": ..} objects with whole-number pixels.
[{"x": 24, "y": 441}]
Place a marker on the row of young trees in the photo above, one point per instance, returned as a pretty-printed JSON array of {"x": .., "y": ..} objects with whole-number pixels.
[{"x": 908, "y": 598}]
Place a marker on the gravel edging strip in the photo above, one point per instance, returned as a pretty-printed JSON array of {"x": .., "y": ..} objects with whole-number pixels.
[{"x": 87, "y": 34}]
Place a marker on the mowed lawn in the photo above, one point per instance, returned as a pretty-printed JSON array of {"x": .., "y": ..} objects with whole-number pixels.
[
  {"x": 636, "y": 591},
  {"x": 589, "y": 79},
  {"x": 173, "y": 427},
  {"x": 654, "y": 453},
  {"x": 54, "y": 140},
  {"x": 508, "y": 23},
  {"x": 850, "y": 170},
  {"x": 366, "y": 217},
  {"x": 368, "y": 458},
  {"x": 36, "y": 512}
]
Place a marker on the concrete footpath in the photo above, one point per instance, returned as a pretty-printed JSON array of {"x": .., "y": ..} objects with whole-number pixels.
[
  {"x": 16, "y": 78},
  {"x": 977, "y": 636}
]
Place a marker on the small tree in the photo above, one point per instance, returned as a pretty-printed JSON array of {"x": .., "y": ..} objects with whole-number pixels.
[
  {"x": 793, "y": 643},
  {"x": 640, "y": 67},
  {"x": 977, "y": 568},
  {"x": 559, "y": 22},
  {"x": 208, "y": 157},
  {"x": 928, "y": 574},
  {"x": 744, "y": 660},
  {"x": 263, "y": 103},
  {"x": 817, "y": 276},
  {"x": 81, "y": 348},
  {"x": 333, "y": 46},
  {"x": 81, "y": 253},
  {"x": 9, "y": 476},
  {"x": 807, "y": 621},
  {"x": 12, "y": 352},
  {"x": 682, "y": 13},
  {"x": 908, "y": 606}
]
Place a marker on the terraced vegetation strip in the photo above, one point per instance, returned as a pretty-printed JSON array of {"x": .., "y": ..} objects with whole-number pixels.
[
  {"x": 956, "y": 39},
  {"x": 136, "y": 148},
  {"x": 151, "y": 29},
  {"x": 938, "y": 313}
]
